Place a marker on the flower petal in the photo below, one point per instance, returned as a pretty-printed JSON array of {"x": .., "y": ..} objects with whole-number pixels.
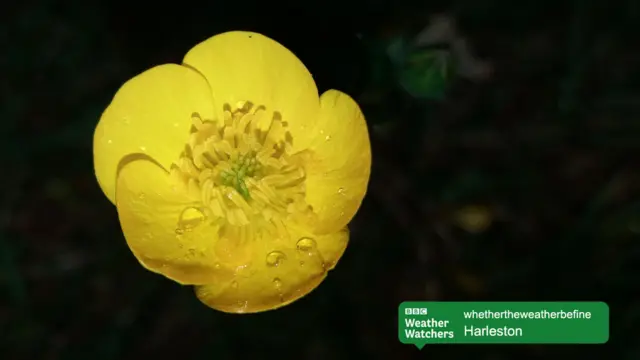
[
  {"x": 338, "y": 171},
  {"x": 150, "y": 114},
  {"x": 245, "y": 66},
  {"x": 163, "y": 225},
  {"x": 279, "y": 275}
]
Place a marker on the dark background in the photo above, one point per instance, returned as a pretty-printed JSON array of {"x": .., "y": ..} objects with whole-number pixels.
[{"x": 545, "y": 151}]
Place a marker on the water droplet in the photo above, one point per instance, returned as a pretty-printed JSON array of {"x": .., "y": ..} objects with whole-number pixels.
[
  {"x": 306, "y": 244},
  {"x": 179, "y": 231},
  {"x": 190, "y": 218},
  {"x": 192, "y": 251},
  {"x": 242, "y": 305},
  {"x": 216, "y": 266},
  {"x": 141, "y": 196},
  {"x": 234, "y": 284},
  {"x": 143, "y": 148},
  {"x": 274, "y": 258},
  {"x": 277, "y": 283},
  {"x": 109, "y": 142},
  {"x": 341, "y": 191},
  {"x": 327, "y": 138},
  {"x": 180, "y": 245}
]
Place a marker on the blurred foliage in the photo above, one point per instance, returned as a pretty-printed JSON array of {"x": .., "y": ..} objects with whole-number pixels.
[
  {"x": 422, "y": 73},
  {"x": 522, "y": 186}
]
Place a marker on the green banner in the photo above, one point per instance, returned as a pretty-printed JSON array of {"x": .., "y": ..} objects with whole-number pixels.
[{"x": 421, "y": 323}]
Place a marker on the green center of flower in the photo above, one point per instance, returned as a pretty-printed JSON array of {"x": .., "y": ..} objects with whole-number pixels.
[{"x": 245, "y": 165}]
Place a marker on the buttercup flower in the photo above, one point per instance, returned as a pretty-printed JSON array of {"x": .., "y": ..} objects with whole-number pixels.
[{"x": 230, "y": 173}]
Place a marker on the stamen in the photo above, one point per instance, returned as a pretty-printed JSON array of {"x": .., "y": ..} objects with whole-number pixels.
[{"x": 241, "y": 169}]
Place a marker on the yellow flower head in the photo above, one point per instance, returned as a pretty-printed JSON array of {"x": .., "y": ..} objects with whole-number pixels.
[{"x": 231, "y": 174}]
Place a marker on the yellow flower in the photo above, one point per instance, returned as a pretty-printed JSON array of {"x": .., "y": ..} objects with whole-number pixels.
[{"x": 230, "y": 173}]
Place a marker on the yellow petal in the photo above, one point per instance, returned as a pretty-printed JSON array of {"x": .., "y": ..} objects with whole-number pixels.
[
  {"x": 338, "y": 172},
  {"x": 245, "y": 66},
  {"x": 150, "y": 114},
  {"x": 163, "y": 226},
  {"x": 280, "y": 273}
]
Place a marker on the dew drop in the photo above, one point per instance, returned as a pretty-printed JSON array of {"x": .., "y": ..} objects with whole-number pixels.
[
  {"x": 277, "y": 283},
  {"x": 179, "y": 231},
  {"x": 274, "y": 258},
  {"x": 216, "y": 266},
  {"x": 341, "y": 191},
  {"x": 190, "y": 218},
  {"x": 327, "y": 138},
  {"x": 306, "y": 244},
  {"x": 143, "y": 148},
  {"x": 109, "y": 142},
  {"x": 141, "y": 196},
  {"x": 242, "y": 305},
  {"x": 234, "y": 284},
  {"x": 192, "y": 251}
]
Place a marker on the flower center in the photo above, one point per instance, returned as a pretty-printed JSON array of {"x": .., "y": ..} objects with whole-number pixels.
[
  {"x": 241, "y": 172},
  {"x": 245, "y": 165}
]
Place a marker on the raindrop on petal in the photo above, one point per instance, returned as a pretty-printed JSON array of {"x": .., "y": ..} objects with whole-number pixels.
[
  {"x": 274, "y": 258},
  {"x": 190, "y": 218},
  {"x": 306, "y": 244},
  {"x": 242, "y": 305}
]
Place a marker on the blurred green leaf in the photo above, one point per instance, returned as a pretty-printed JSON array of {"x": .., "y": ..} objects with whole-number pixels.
[
  {"x": 426, "y": 74},
  {"x": 423, "y": 73}
]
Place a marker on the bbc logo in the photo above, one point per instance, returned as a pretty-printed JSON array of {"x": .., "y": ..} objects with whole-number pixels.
[{"x": 415, "y": 311}]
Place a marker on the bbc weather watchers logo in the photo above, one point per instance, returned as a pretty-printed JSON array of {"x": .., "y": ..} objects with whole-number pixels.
[{"x": 415, "y": 311}]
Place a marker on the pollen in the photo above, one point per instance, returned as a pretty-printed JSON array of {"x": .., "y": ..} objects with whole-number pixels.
[{"x": 240, "y": 170}]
